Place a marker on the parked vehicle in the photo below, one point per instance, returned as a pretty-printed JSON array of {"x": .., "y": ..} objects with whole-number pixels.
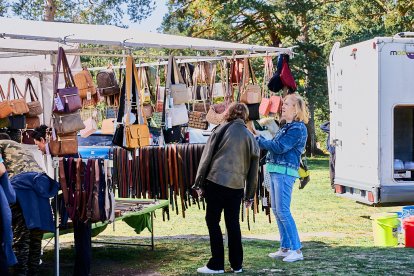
[
  {"x": 371, "y": 99},
  {"x": 97, "y": 145}
]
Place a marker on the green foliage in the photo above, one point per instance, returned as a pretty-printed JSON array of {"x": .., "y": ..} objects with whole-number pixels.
[{"x": 86, "y": 11}]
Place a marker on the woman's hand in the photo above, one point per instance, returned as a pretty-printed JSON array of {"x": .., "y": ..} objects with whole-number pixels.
[{"x": 200, "y": 192}]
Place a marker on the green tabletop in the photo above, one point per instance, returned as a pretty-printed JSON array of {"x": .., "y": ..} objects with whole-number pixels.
[{"x": 139, "y": 220}]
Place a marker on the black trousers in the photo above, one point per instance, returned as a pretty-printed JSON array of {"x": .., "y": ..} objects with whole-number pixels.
[
  {"x": 83, "y": 248},
  {"x": 221, "y": 198}
]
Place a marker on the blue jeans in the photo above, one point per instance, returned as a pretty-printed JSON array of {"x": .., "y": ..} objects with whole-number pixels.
[{"x": 281, "y": 195}]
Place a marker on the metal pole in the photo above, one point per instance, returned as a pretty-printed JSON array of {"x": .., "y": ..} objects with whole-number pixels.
[
  {"x": 57, "y": 245},
  {"x": 152, "y": 232}
]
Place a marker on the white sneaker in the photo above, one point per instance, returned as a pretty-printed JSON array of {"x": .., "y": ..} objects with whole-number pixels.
[
  {"x": 293, "y": 257},
  {"x": 279, "y": 254},
  {"x": 237, "y": 271},
  {"x": 206, "y": 270}
]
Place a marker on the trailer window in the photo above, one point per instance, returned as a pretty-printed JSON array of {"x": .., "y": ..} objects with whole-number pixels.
[{"x": 404, "y": 143}]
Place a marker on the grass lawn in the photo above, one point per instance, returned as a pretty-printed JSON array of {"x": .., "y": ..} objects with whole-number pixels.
[{"x": 336, "y": 234}]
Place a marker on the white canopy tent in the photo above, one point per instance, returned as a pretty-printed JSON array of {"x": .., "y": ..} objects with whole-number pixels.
[{"x": 114, "y": 36}]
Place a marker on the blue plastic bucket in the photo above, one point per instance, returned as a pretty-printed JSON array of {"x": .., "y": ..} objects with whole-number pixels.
[{"x": 407, "y": 211}]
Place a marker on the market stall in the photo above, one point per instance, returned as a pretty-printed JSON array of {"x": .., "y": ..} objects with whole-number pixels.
[{"x": 183, "y": 91}]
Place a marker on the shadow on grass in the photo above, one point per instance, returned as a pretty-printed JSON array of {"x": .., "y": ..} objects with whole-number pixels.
[{"x": 183, "y": 255}]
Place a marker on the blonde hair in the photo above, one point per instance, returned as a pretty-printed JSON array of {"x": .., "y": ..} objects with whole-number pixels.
[
  {"x": 302, "y": 114},
  {"x": 237, "y": 111}
]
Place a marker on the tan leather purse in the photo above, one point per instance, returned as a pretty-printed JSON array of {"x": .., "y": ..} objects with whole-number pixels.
[
  {"x": 179, "y": 91},
  {"x": 250, "y": 93},
  {"x": 64, "y": 144},
  {"x": 108, "y": 126},
  {"x": 84, "y": 83},
  {"x": 35, "y": 107},
  {"x": 32, "y": 122},
  {"x": 18, "y": 104},
  {"x": 5, "y": 106},
  {"x": 137, "y": 136}
]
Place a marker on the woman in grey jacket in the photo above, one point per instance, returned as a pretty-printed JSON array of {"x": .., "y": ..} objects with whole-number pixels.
[
  {"x": 228, "y": 166},
  {"x": 282, "y": 160}
]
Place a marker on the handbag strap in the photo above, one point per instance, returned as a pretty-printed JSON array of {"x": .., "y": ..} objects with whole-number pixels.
[
  {"x": 67, "y": 74},
  {"x": 178, "y": 78},
  {"x": 29, "y": 86},
  {"x": 3, "y": 98},
  {"x": 167, "y": 90},
  {"x": 16, "y": 91}
]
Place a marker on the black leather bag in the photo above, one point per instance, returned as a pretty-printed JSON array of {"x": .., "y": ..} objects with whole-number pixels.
[
  {"x": 254, "y": 111},
  {"x": 173, "y": 135},
  {"x": 118, "y": 138},
  {"x": 17, "y": 122},
  {"x": 275, "y": 83}
]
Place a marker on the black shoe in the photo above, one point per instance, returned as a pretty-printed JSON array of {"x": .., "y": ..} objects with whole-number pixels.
[{"x": 304, "y": 181}]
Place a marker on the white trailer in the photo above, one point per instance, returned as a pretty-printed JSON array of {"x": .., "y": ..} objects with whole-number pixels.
[{"x": 371, "y": 100}]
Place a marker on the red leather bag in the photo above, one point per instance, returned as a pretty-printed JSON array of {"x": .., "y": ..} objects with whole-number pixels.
[{"x": 287, "y": 77}]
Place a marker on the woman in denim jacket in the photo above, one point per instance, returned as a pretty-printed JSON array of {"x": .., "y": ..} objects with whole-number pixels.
[{"x": 283, "y": 157}]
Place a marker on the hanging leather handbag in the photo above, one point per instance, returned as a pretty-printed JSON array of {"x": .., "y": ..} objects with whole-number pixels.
[
  {"x": 178, "y": 90},
  {"x": 35, "y": 107},
  {"x": 27, "y": 137},
  {"x": 5, "y": 106},
  {"x": 137, "y": 136},
  {"x": 67, "y": 123},
  {"x": 148, "y": 110},
  {"x": 84, "y": 83},
  {"x": 286, "y": 75},
  {"x": 197, "y": 120},
  {"x": 217, "y": 113},
  {"x": 250, "y": 93},
  {"x": 178, "y": 114},
  {"x": 173, "y": 135},
  {"x": 64, "y": 144},
  {"x": 66, "y": 100},
  {"x": 275, "y": 83},
  {"x": 265, "y": 104},
  {"x": 90, "y": 127},
  {"x": 107, "y": 83},
  {"x": 32, "y": 122},
  {"x": 17, "y": 122},
  {"x": 108, "y": 126},
  {"x": 118, "y": 138},
  {"x": 276, "y": 104},
  {"x": 254, "y": 111},
  {"x": 18, "y": 104}
]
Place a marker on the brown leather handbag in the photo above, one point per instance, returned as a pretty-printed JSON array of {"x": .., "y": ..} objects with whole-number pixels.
[
  {"x": 64, "y": 144},
  {"x": 35, "y": 107},
  {"x": 18, "y": 104},
  {"x": 84, "y": 83},
  {"x": 5, "y": 107},
  {"x": 67, "y": 123},
  {"x": 32, "y": 122},
  {"x": 66, "y": 100},
  {"x": 27, "y": 137}
]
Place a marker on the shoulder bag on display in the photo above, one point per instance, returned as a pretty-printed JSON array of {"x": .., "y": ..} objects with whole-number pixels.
[
  {"x": 32, "y": 122},
  {"x": 65, "y": 144},
  {"x": 178, "y": 90},
  {"x": 17, "y": 122},
  {"x": 197, "y": 119},
  {"x": 35, "y": 107},
  {"x": 84, "y": 83},
  {"x": 66, "y": 100},
  {"x": 136, "y": 135},
  {"x": 5, "y": 106},
  {"x": 107, "y": 83},
  {"x": 66, "y": 123},
  {"x": 90, "y": 126},
  {"x": 275, "y": 83},
  {"x": 286, "y": 75},
  {"x": 265, "y": 104},
  {"x": 18, "y": 104},
  {"x": 108, "y": 126},
  {"x": 27, "y": 137},
  {"x": 250, "y": 93}
]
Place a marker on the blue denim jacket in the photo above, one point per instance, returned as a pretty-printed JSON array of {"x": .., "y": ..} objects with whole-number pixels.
[{"x": 287, "y": 145}]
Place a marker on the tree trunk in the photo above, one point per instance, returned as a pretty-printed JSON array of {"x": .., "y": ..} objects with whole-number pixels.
[{"x": 50, "y": 10}]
